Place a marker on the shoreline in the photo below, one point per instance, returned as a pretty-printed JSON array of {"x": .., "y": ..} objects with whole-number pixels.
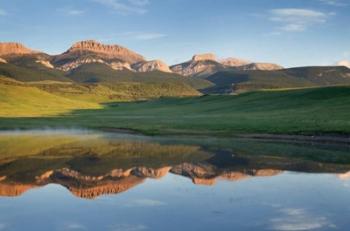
[{"x": 319, "y": 138}]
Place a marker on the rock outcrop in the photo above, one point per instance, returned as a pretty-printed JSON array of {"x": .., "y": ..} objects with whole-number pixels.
[
  {"x": 207, "y": 64},
  {"x": 199, "y": 65},
  {"x": 154, "y": 65},
  {"x": 204, "y": 57},
  {"x": 106, "y": 51},
  {"x": 120, "y": 58},
  {"x": 14, "y": 49},
  {"x": 120, "y": 66},
  {"x": 260, "y": 67},
  {"x": 90, "y": 51},
  {"x": 45, "y": 63},
  {"x": 234, "y": 62}
]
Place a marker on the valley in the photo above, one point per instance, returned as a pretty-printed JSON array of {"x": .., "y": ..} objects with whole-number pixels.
[{"x": 98, "y": 86}]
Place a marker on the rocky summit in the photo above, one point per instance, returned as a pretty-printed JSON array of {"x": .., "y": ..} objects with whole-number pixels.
[
  {"x": 260, "y": 67},
  {"x": 110, "y": 51},
  {"x": 14, "y": 49},
  {"x": 234, "y": 62},
  {"x": 154, "y": 65},
  {"x": 204, "y": 57}
]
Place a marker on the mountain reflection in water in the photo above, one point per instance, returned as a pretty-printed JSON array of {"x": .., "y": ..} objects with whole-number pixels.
[{"x": 92, "y": 164}]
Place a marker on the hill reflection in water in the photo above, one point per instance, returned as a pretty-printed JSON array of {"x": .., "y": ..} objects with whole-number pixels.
[{"x": 91, "y": 164}]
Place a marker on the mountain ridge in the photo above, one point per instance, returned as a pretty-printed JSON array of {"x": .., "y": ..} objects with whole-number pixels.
[
  {"x": 121, "y": 58},
  {"x": 14, "y": 48}
]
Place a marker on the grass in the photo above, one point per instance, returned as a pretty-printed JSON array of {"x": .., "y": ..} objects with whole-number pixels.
[
  {"x": 18, "y": 100},
  {"x": 243, "y": 81},
  {"x": 99, "y": 82},
  {"x": 305, "y": 111}
]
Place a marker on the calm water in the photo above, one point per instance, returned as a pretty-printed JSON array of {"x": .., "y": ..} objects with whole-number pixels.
[{"x": 83, "y": 180}]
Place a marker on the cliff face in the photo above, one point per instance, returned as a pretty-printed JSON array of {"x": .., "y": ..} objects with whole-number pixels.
[
  {"x": 14, "y": 49},
  {"x": 261, "y": 67},
  {"x": 204, "y": 57},
  {"x": 107, "y": 51},
  {"x": 207, "y": 64},
  {"x": 154, "y": 65},
  {"x": 120, "y": 58},
  {"x": 199, "y": 65},
  {"x": 90, "y": 51},
  {"x": 234, "y": 62}
]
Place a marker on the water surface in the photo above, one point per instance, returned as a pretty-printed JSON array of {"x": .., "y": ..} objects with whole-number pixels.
[{"x": 86, "y": 180}]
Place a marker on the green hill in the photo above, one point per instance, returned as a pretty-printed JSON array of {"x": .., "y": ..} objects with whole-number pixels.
[
  {"x": 241, "y": 81},
  {"x": 306, "y": 111},
  {"x": 97, "y": 72},
  {"x": 100, "y": 83},
  {"x": 20, "y": 100},
  {"x": 28, "y": 73}
]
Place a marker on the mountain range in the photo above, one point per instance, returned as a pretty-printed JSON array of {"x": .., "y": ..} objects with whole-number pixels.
[
  {"x": 121, "y": 58},
  {"x": 91, "y": 62}
]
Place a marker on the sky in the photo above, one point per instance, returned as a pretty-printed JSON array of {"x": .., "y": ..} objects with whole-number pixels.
[{"x": 286, "y": 32}]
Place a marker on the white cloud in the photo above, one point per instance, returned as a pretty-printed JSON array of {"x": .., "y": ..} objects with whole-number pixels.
[
  {"x": 74, "y": 226},
  {"x": 333, "y": 2},
  {"x": 139, "y": 2},
  {"x": 143, "y": 35},
  {"x": 132, "y": 35},
  {"x": 345, "y": 63},
  {"x": 294, "y": 19},
  {"x": 128, "y": 227},
  {"x": 149, "y": 36},
  {"x": 3, "y": 226},
  {"x": 292, "y": 219},
  {"x": 126, "y": 6},
  {"x": 71, "y": 12},
  {"x": 3, "y": 12},
  {"x": 75, "y": 12}
]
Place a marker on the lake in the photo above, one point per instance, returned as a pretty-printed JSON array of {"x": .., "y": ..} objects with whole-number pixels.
[{"x": 88, "y": 180}]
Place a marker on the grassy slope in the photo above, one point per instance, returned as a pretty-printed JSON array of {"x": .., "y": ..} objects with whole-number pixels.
[
  {"x": 20, "y": 100},
  {"x": 307, "y": 111},
  {"x": 288, "y": 78},
  {"x": 100, "y": 83},
  {"x": 27, "y": 74},
  {"x": 101, "y": 73}
]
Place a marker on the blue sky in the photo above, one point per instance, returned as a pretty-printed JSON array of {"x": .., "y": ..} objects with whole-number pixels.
[{"x": 287, "y": 32}]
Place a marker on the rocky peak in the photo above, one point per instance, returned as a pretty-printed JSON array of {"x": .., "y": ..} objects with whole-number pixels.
[
  {"x": 14, "y": 49},
  {"x": 234, "y": 62},
  {"x": 154, "y": 65},
  {"x": 198, "y": 67},
  {"x": 111, "y": 51},
  {"x": 204, "y": 57},
  {"x": 261, "y": 67}
]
